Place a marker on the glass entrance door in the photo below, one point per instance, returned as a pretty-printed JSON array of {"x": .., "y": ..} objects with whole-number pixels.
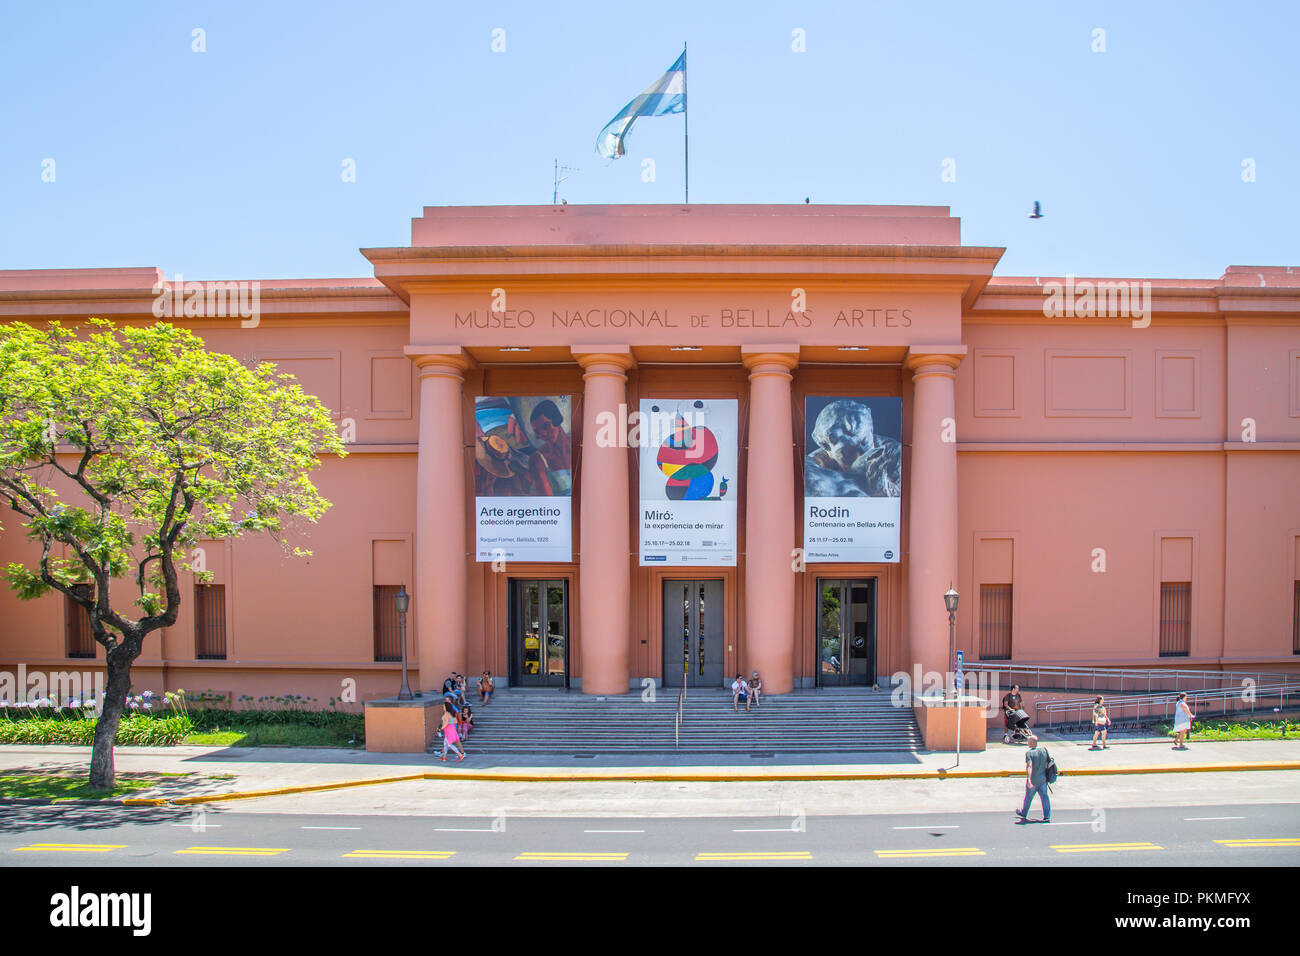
[
  {"x": 693, "y": 633},
  {"x": 539, "y": 633},
  {"x": 846, "y": 632}
]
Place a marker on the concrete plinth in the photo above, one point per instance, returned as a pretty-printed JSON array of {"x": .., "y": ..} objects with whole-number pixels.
[
  {"x": 937, "y": 719},
  {"x": 402, "y": 726}
]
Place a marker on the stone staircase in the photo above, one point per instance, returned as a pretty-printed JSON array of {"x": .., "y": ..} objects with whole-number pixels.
[{"x": 831, "y": 721}]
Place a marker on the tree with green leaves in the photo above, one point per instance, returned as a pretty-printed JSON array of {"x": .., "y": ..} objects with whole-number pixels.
[{"x": 120, "y": 449}]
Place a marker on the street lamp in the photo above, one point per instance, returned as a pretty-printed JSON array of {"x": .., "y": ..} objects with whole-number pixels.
[
  {"x": 950, "y": 602},
  {"x": 403, "y": 601}
]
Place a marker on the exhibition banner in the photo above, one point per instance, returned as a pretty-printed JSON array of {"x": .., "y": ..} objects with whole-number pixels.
[
  {"x": 688, "y": 481},
  {"x": 523, "y": 481},
  {"x": 852, "y": 479}
]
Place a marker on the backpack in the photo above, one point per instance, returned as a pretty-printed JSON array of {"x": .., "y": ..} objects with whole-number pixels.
[{"x": 1051, "y": 770}]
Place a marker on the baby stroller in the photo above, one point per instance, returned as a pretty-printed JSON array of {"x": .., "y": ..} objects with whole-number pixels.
[{"x": 1017, "y": 726}]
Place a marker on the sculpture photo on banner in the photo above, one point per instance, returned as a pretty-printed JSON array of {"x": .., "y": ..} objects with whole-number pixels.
[
  {"x": 523, "y": 479},
  {"x": 852, "y": 478},
  {"x": 688, "y": 481}
]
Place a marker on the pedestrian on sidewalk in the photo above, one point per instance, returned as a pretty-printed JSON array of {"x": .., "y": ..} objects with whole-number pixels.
[
  {"x": 1183, "y": 718},
  {"x": 1035, "y": 781},
  {"x": 1100, "y": 723},
  {"x": 449, "y": 736}
]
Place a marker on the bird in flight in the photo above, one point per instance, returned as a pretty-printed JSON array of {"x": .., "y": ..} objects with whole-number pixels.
[{"x": 1037, "y": 213}]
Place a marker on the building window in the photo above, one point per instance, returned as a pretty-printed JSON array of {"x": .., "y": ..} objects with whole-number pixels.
[
  {"x": 995, "y": 622},
  {"x": 210, "y": 622},
  {"x": 80, "y": 635},
  {"x": 1295, "y": 622},
  {"x": 1175, "y": 619},
  {"x": 387, "y": 646}
]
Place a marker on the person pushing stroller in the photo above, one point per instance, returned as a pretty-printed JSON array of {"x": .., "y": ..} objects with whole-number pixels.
[{"x": 1015, "y": 719}]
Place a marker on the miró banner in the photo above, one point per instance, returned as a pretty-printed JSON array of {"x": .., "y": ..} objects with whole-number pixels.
[
  {"x": 688, "y": 481},
  {"x": 852, "y": 479},
  {"x": 523, "y": 483}
]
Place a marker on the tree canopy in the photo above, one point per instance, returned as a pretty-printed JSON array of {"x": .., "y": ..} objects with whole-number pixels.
[{"x": 121, "y": 447}]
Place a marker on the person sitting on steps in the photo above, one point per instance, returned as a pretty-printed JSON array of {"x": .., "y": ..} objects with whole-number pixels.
[
  {"x": 755, "y": 688},
  {"x": 739, "y": 691}
]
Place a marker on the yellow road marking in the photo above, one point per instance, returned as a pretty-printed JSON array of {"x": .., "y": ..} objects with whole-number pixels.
[
  {"x": 1262, "y": 841},
  {"x": 402, "y": 854},
  {"x": 777, "y": 855},
  {"x": 1103, "y": 847},
  {"x": 70, "y": 847},
  {"x": 929, "y": 852},
  {"x": 235, "y": 850},
  {"x": 565, "y": 857}
]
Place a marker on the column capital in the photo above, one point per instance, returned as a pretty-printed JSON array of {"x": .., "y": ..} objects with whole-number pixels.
[
  {"x": 603, "y": 359},
  {"x": 443, "y": 359},
  {"x": 932, "y": 358},
  {"x": 770, "y": 359}
]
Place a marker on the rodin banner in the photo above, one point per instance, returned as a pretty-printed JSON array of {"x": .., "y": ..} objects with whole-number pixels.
[
  {"x": 522, "y": 479},
  {"x": 852, "y": 479},
  {"x": 688, "y": 481}
]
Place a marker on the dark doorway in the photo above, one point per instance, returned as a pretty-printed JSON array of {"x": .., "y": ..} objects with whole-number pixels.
[
  {"x": 539, "y": 633},
  {"x": 693, "y": 633},
  {"x": 846, "y": 632}
]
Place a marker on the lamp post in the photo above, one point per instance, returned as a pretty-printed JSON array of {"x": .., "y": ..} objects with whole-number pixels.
[
  {"x": 403, "y": 601},
  {"x": 950, "y": 602}
]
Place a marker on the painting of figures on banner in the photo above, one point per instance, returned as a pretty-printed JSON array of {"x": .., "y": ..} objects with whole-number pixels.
[
  {"x": 523, "y": 480},
  {"x": 688, "y": 481},
  {"x": 853, "y": 479}
]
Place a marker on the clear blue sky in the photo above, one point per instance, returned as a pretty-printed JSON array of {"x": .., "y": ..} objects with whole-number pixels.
[{"x": 227, "y": 164}]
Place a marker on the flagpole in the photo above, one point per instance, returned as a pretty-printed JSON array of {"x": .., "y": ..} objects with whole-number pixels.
[{"x": 686, "y": 125}]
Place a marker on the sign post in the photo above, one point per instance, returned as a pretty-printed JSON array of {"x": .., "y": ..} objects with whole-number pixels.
[{"x": 958, "y": 683}]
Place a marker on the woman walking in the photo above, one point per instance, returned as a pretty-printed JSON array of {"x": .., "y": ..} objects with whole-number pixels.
[
  {"x": 1100, "y": 723},
  {"x": 450, "y": 737},
  {"x": 1183, "y": 718}
]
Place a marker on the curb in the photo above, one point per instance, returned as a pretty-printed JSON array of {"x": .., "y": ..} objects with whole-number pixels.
[{"x": 720, "y": 777}]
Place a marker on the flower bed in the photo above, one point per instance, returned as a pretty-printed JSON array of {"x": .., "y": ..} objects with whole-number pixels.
[{"x": 151, "y": 721}]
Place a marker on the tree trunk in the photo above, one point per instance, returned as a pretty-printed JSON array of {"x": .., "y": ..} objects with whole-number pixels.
[{"x": 102, "y": 771}]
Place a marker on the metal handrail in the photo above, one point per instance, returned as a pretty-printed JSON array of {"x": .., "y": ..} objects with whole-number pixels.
[
  {"x": 1155, "y": 679},
  {"x": 681, "y": 716},
  {"x": 1115, "y": 707}
]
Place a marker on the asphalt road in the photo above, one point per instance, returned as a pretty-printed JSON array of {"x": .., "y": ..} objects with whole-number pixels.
[{"x": 1203, "y": 836}]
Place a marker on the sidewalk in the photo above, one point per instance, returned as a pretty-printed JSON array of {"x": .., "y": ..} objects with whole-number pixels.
[{"x": 224, "y": 773}]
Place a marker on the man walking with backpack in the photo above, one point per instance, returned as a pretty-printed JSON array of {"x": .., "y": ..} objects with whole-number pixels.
[{"x": 1036, "y": 780}]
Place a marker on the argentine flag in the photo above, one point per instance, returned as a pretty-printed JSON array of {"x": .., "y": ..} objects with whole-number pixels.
[{"x": 666, "y": 95}]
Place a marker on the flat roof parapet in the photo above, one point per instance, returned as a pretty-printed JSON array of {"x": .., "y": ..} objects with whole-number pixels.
[{"x": 628, "y": 225}]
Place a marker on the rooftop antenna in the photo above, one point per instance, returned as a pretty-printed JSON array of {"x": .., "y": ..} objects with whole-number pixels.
[{"x": 555, "y": 196}]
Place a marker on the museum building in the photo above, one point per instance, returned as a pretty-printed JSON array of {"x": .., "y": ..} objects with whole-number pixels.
[{"x": 603, "y": 444}]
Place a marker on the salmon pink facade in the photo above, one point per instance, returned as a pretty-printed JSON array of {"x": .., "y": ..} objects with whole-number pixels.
[{"x": 1107, "y": 471}]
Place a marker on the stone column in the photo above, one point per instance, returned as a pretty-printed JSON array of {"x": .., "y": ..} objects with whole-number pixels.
[
  {"x": 439, "y": 601},
  {"x": 770, "y": 518},
  {"x": 932, "y": 508},
  {"x": 605, "y": 586}
]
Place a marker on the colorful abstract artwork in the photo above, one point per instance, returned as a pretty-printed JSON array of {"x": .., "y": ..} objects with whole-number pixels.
[{"x": 687, "y": 457}]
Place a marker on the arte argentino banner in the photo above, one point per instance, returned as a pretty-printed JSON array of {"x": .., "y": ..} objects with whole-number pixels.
[
  {"x": 852, "y": 479},
  {"x": 523, "y": 459},
  {"x": 688, "y": 481}
]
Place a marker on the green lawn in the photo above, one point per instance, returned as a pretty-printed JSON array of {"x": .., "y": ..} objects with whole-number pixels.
[
  {"x": 272, "y": 735},
  {"x": 65, "y": 786}
]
